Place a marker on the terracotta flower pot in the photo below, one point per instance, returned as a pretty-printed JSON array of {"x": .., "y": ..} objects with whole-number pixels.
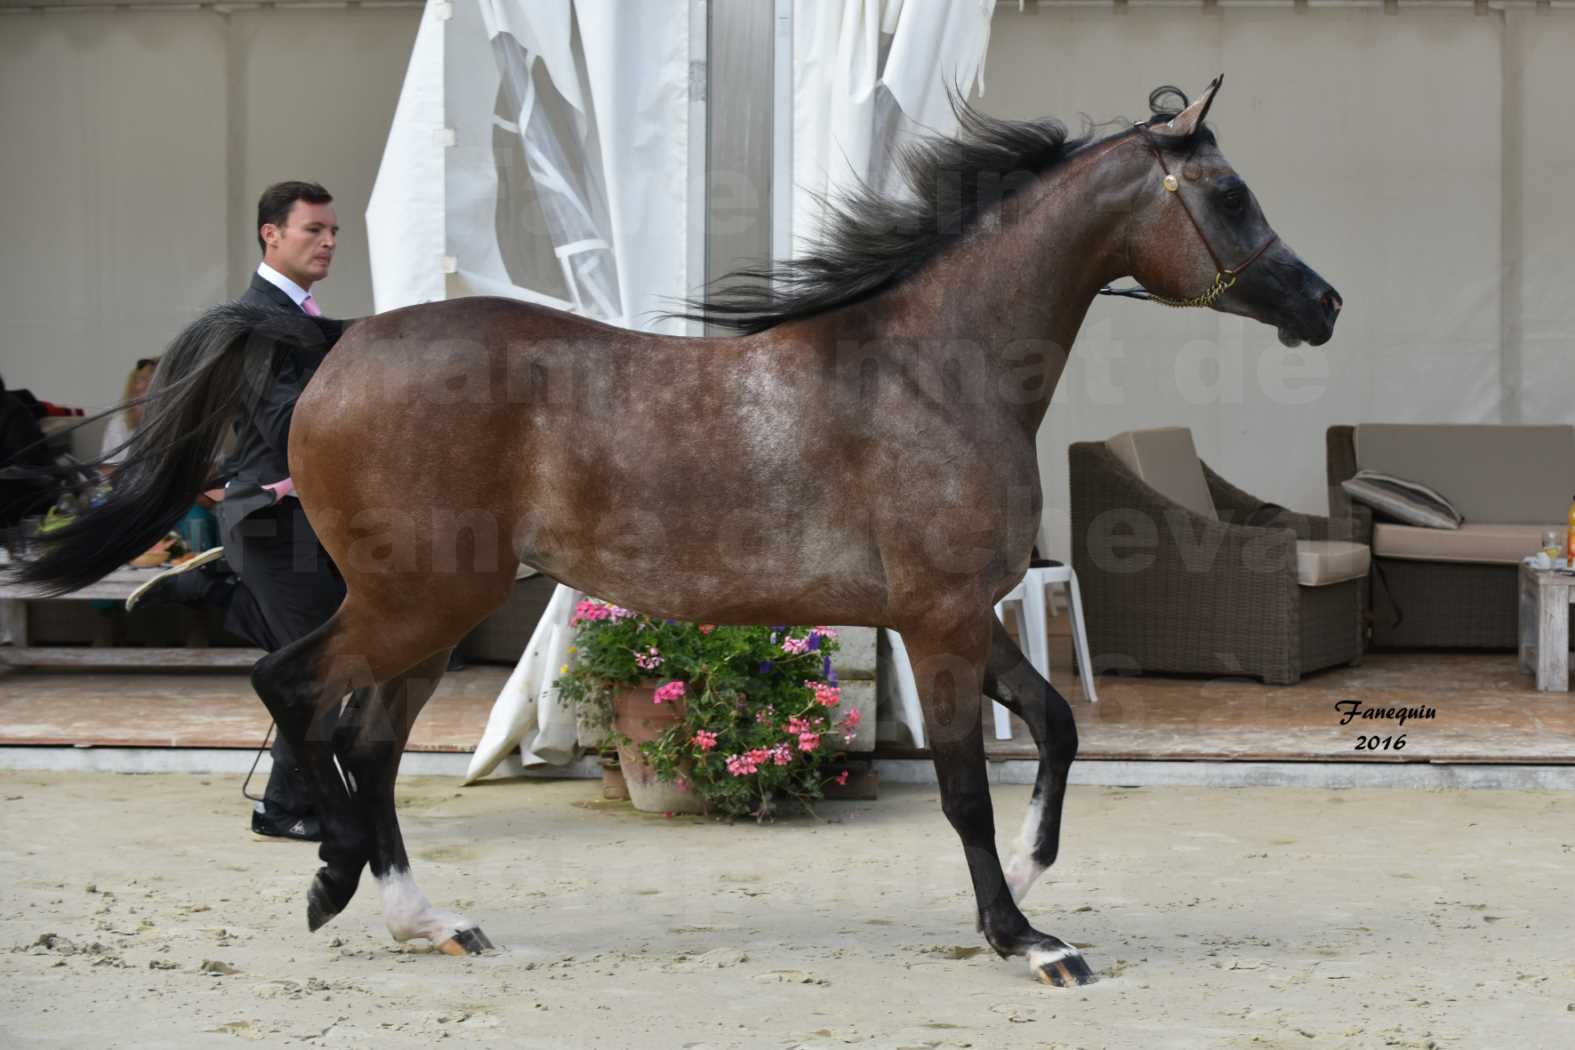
[
  {"x": 613, "y": 787},
  {"x": 641, "y": 719}
]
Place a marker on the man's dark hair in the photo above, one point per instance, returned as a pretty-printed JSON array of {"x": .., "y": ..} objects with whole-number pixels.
[{"x": 273, "y": 207}]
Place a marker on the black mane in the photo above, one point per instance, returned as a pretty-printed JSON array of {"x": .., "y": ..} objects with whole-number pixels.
[{"x": 872, "y": 242}]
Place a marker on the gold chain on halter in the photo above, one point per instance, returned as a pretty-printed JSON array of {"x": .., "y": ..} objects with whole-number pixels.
[{"x": 1222, "y": 283}]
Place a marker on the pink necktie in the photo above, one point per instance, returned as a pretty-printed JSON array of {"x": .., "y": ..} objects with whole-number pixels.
[{"x": 310, "y": 306}]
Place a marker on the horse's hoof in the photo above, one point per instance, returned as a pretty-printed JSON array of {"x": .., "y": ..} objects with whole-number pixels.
[
  {"x": 318, "y": 911},
  {"x": 325, "y": 899},
  {"x": 1060, "y": 967},
  {"x": 469, "y": 941}
]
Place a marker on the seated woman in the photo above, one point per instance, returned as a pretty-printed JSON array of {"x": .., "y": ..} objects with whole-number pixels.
[{"x": 125, "y": 422}]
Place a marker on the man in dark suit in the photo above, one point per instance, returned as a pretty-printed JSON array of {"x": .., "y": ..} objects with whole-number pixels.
[
  {"x": 287, "y": 585},
  {"x": 267, "y": 540}
]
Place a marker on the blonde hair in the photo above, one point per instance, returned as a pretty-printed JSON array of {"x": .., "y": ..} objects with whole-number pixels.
[{"x": 144, "y": 368}]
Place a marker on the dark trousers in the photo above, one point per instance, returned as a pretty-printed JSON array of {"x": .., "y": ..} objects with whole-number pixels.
[{"x": 288, "y": 588}]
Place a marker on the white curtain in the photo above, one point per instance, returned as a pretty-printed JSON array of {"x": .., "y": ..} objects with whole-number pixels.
[
  {"x": 539, "y": 152},
  {"x": 868, "y": 74}
]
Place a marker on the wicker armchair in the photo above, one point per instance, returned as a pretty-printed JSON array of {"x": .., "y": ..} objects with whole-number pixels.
[{"x": 1168, "y": 588}]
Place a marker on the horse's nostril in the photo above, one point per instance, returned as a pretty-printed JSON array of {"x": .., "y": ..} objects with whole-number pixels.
[{"x": 1331, "y": 300}]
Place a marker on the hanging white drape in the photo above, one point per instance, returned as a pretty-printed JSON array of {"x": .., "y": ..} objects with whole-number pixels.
[
  {"x": 539, "y": 151},
  {"x": 866, "y": 75}
]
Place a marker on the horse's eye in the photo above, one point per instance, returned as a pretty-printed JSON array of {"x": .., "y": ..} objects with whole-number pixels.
[{"x": 1234, "y": 201}]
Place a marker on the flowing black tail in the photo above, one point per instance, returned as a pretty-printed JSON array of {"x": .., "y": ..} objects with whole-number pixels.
[{"x": 213, "y": 370}]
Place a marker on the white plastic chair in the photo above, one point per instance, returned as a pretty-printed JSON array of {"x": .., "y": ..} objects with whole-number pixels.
[{"x": 1027, "y": 602}]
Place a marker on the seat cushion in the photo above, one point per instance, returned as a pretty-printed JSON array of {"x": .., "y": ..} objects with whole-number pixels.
[
  {"x": 1167, "y": 461},
  {"x": 1320, "y": 562},
  {"x": 1488, "y": 544}
]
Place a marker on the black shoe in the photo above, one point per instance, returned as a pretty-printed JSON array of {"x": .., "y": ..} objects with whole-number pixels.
[
  {"x": 285, "y": 826},
  {"x": 181, "y": 585}
]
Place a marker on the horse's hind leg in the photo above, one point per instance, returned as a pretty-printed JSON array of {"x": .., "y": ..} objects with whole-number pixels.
[
  {"x": 373, "y": 734},
  {"x": 1011, "y": 680},
  {"x": 949, "y": 663},
  {"x": 300, "y": 684}
]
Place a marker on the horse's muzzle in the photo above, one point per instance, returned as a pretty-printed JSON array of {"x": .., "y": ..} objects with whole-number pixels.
[{"x": 1319, "y": 309}]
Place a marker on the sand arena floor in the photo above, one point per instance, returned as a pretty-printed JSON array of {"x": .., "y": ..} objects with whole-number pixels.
[{"x": 138, "y": 912}]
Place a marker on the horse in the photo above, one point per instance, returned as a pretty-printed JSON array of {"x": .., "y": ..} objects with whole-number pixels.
[{"x": 857, "y": 447}]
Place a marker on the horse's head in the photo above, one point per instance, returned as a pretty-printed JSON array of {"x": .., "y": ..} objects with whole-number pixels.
[{"x": 1198, "y": 238}]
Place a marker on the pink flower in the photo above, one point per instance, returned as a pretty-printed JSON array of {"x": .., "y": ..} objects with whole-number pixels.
[
  {"x": 850, "y": 724},
  {"x": 649, "y": 660},
  {"x": 668, "y": 693},
  {"x": 826, "y": 694},
  {"x": 795, "y": 726},
  {"x": 826, "y": 632},
  {"x": 808, "y": 741},
  {"x": 704, "y": 740},
  {"x": 795, "y": 646},
  {"x": 707, "y": 628},
  {"x": 741, "y": 765},
  {"x": 589, "y": 609},
  {"x": 681, "y": 784},
  {"x": 781, "y": 754},
  {"x": 759, "y": 755},
  {"x": 842, "y": 778},
  {"x": 618, "y": 612}
]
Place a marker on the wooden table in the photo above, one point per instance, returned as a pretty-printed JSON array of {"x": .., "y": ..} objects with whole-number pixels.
[
  {"x": 117, "y": 586},
  {"x": 1545, "y": 598}
]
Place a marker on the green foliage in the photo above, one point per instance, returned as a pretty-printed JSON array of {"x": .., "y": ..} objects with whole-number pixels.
[{"x": 761, "y": 718}]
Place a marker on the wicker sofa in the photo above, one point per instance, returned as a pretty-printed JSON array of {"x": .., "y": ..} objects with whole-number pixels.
[
  {"x": 1182, "y": 572},
  {"x": 1456, "y": 589}
]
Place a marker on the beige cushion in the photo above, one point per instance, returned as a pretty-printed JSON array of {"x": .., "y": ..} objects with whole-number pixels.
[
  {"x": 1166, "y": 459},
  {"x": 1521, "y": 475},
  {"x": 1490, "y": 544},
  {"x": 1320, "y": 562}
]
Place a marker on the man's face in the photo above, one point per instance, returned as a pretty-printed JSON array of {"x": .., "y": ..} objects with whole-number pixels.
[{"x": 303, "y": 247}]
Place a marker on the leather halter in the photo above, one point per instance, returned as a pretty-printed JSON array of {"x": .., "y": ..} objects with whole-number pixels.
[{"x": 1224, "y": 276}]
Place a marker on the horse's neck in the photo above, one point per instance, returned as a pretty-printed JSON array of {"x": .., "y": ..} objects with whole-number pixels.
[{"x": 1018, "y": 293}]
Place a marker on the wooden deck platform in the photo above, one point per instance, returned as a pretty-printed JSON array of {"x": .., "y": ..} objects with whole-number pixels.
[{"x": 1484, "y": 711}]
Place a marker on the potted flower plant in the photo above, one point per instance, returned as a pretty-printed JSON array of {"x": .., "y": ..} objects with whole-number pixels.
[{"x": 709, "y": 718}]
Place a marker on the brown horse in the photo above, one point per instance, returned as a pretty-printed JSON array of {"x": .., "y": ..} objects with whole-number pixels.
[{"x": 863, "y": 454}]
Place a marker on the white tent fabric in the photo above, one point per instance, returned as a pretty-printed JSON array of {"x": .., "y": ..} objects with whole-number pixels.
[
  {"x": 528, "y": 712},
  {"x": 583, "y": 104},
  {"x": 404, "y": 216},
  {"x": 866, "y": 74}
]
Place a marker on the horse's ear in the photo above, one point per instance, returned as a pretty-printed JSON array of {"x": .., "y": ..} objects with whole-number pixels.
[{"x": 1183, "y": 124}]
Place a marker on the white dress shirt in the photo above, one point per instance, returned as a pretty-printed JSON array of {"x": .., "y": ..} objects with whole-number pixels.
[{"x": 296, "y": 293}]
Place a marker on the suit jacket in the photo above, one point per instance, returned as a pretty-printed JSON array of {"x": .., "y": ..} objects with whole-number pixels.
[{"x": 262, "y": 446}]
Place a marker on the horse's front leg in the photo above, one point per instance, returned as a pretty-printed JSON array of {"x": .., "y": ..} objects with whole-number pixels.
[
  {"x": 374, "y": 731},
  {"x": 1011, "y": 680},
  {"x": 949, "y": 664}
]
